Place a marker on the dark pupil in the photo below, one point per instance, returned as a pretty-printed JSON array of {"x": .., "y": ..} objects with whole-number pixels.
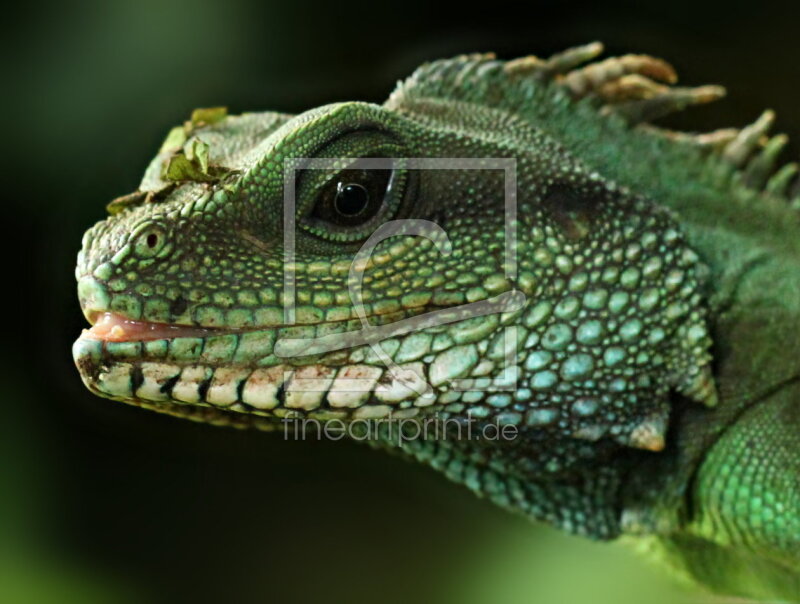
[
  {"x": 351, "y": 199},
  {"x": 152, "y": 240}
]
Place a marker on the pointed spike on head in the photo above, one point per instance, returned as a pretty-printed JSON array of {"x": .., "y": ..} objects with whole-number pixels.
[
  {"x": 670, "y": 100},
  {"x": 630, "y": 87},
  {"x": 592, "y": 77},
  {"x": 707, "y": 94},
  {"x": 740, "y": 149},
  {"x": 525, "y": 66},
  {"x": 649, "y": 435},
  {"x": 715, "y": 140},
  {"x": 701, "y": 387},
  {"x": 762, "y": 165},
  {"x": 564, "y": 61},
  {"x": 652, "y": 67},
  {"x": 774, "y": 147},
  {"x": 778, "y": 184}
]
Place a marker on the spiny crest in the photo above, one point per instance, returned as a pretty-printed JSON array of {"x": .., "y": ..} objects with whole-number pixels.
[{"x": 634, "y": 88}]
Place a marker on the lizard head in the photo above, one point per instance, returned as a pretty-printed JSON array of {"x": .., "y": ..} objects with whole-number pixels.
[{"x": 414, "y": 260}]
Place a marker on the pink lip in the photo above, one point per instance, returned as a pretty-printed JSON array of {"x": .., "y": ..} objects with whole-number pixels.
[{"x": 110, "y": 327}]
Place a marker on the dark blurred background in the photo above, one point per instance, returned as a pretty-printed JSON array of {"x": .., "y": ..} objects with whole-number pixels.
[{"x": 100, "y": 502}]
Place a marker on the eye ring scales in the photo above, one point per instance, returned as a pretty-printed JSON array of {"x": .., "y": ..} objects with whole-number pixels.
[{"x": 148, "y": 240}]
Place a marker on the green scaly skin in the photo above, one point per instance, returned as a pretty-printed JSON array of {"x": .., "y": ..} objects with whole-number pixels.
[{"x": 650, "y": 377}]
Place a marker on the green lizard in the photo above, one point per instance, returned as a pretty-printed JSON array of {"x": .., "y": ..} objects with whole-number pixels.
[{"x": 610, "y": 308}]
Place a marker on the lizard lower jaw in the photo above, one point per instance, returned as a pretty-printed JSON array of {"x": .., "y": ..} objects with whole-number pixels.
[{"x": 110, "y": 327}]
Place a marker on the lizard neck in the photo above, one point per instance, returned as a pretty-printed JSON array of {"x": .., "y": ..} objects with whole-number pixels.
[
  {"x": 754, "y": 295},
  {"x": 754, "y": 260}
]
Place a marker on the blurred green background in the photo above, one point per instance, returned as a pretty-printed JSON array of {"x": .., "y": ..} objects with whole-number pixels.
[{"x": 100, "y": 502}]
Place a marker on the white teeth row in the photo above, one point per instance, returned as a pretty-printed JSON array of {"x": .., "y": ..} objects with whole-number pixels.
[
  {"x": 117, "y": 332},
  {"x": 303, "y": 388}
]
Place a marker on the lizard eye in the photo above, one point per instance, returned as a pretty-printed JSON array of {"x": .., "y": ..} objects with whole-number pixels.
[
  {"x": 353, "y": 198},
  {"x": 352, "y": 185},
  {"x": 349, "y": 204}
]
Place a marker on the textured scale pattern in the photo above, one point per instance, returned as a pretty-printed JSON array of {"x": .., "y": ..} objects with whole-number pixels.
[{"x": 605, "y": 371}]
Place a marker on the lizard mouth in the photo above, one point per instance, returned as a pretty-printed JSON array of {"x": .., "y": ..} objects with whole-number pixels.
[
  {"x": 265, "y": 371},
  {"x": 231, "y": 376},
  {"x": 111, "y": 327}
]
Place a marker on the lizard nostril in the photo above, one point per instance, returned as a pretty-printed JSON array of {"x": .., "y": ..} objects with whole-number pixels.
[{"x": 178, "y": 306}]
